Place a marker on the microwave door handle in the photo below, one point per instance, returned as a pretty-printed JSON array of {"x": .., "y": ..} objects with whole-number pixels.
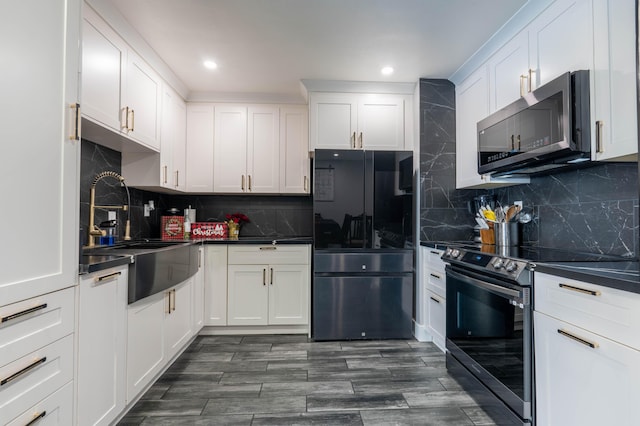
[{"x": 495, "y": 289}]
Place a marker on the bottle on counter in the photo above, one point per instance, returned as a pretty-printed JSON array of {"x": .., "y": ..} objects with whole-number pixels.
[{"x": 187, "y": 224}]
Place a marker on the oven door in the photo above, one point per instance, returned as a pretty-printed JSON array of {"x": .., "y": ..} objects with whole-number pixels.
[{"x": 489, "y": 331}]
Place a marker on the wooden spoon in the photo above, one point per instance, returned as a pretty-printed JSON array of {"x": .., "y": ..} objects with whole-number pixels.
[{"x": 512, "y": 211}]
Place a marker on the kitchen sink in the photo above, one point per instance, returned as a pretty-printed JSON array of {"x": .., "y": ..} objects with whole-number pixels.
[{"x": 156, "y": 265}]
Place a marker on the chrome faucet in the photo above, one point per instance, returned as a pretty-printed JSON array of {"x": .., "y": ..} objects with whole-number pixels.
[{"x": 94, "y": 231}]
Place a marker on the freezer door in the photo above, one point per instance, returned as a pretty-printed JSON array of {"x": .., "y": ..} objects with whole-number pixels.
[
  {"x": 363, "y": 261},
  {"x": 362, "y": 307}
]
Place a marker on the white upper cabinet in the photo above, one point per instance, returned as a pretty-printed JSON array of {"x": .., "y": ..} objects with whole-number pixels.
[
  {"x": 230, "y": 149},
  {"x": 120, "y": 90},
  {"x": 358, "y": 121},
  {"x": 294, "y": 150},
  {"x": 40, "y": 159},
  {"x": 509, "y": 72},
  {"x": 199, "y": 150},
  {"x": 472, "y": 105},
  {"x": 614, "y": 98},
  {"x": 263, "y": 149}
]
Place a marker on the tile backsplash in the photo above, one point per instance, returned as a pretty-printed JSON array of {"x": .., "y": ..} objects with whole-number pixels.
[
  {"x": 271, "y": 216},
  {"x": 593, "y": 209}
]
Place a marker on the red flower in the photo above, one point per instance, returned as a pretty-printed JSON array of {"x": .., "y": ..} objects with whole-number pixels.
[{"x": 237, "y": 218}]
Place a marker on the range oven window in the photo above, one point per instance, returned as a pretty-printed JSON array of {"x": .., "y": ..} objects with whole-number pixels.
[{"x": 489, "y": 331}]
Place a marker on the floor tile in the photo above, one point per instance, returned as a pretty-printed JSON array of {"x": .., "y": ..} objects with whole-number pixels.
[
  {"x": 316, "y": 364},
  {"x": 345, "y": 354},
  {"x": 438, "y": 399},
  {"x": 130, "y": 420},
  {"x": 206, "y": 356},
  {"x": 385, "y": 362},
  {"x": 349, "y": 374},
  {"x": 209, "y": 340},
  {"x": 374, "y": 344},
  {"x": 347, "y": 418},
  {"x": 212, "y": 390},
  {"x": 263, "y": 404},
  {"x": 216, "y": 366},
  {"x": 275, "y": 339},
  {"x": 355, "y": 402},
  {"x": 396, "y": 385},
  {"x": 307, "y": 346},
  {"x": 307, "y": 388},
  {"x": 419, "y": 416},
  {"x": 420, "y": 372},
  {"x": 156, "y": 391},
  {"x": 264, "y": 377},
  {"x": 231, "y": 420},
  {"x": 411, "y": 352},
  {"x": 231, "y": 348},
  {"x": 270, "y": 356},
  {"x": 184, "y": 378},
  {"x": 188, "y": 407}
]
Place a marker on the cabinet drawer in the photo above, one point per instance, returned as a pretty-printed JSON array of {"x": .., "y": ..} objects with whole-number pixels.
[
  {"x": 436, "y": 281},
  {"x": 437, "y": 323},
  {"x": 608, "y": 312},
  {"x": 433, "y": 259},
  {"x": 31, "y": 324},
  {"x": 54, "y": 410},
  {"x": 269, "y": 254},
  {"x": 33, "y": 377}
]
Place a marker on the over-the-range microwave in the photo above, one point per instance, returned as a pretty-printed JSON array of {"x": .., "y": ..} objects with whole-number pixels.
[{"x": 545, "y": 130}]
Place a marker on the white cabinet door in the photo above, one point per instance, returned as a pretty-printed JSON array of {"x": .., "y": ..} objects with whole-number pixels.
[
  {"x": 294, "y": 150},
  {"x": 437, "y": 318},
  {"x": 509, "y": 72},
  {"x": 178, "y": 326},
  {"x": 380, "y": 122},
  {"x": 289, "y": 294},
  {"x": 263, "y": 149},
  {"x": 54, "y": 410},
  {"x": 167, "y": 139},
  {"x": 614, "y": 100},
  {"x": 179, "y": 152},
  {"x": 40, "y": 160},
  {"x": 230, "y": 149},
  {"x": 103, "y": 60},
  {"x": 142, "y": 98},
  {"x": 145, "y": 342},
  {"x": 248, "y": 294},
  {"x": 199, "y": 152},
  {"x": 472, "y": 105},
  {"x": 561, "y": 40},
  {"x": 215, "y": 289},
  {"x": 333, "y": 120},
  {"x": 580, "y": 384},
  {"x": 197, "y": 306},
  {"x": 102, "y": 331}
]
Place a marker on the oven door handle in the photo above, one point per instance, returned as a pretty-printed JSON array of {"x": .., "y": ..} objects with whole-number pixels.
[{"x": 493, "y": 288}]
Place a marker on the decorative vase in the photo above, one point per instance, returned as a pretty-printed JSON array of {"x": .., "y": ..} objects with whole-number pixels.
[{"x": 234, "y": 230}]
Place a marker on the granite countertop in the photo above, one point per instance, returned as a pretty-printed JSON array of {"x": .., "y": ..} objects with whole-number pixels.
[{"x": 623, "y": 275}]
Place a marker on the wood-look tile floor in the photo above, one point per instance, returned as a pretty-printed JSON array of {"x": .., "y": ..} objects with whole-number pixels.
[{"x": 289, "y": 379}]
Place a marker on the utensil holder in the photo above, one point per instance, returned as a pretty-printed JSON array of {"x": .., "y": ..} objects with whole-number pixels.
[{"x": 507, "y": 233}]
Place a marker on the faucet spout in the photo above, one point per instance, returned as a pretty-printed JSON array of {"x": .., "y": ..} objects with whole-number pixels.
[{"x": 94, "y": 230}]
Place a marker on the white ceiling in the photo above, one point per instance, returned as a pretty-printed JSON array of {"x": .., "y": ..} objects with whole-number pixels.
[{"x": 266, "y": 47}]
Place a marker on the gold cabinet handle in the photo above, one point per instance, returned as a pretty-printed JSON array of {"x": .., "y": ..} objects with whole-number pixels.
[
  {"x": 523, "y": 77},
  {"x": 271, "y": 276},
  {"x": 177, "y": 178},
  {"x": 579, "y": 290},
  {"x": 264, "y": 276},
  {"x": 592, "y": 345},
  {"x": 434, "y": 252},
  {"x": 23, "y": 313},
  {"x": 133, "y": 117},
  {"x": 75, "y": 135},
  {"x": 174, "y": 299},
  {"x": 304, "y": 184},
  {"x": 519, "y": 142},
  {"x": 124, "y": 119},
  {"x": 25, "y": 370},
  {"x": 249, "y": 179},
  {"x": 361, "y": 142},
  {"x": 530, "y": 79},
  {"x": 513, "y": 144},
  {"x": 353, "y": 138},
  {"x": 599, "y": 145},
  {"x": 36, "y": 418},
  {"x": 107, "y": 277},
  {"x": 242, "y": 184}
]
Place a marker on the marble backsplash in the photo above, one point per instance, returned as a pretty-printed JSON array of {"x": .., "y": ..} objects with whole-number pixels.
[
  {"x": 271, "y": 216},
  {"x": 593, "y": 209}
]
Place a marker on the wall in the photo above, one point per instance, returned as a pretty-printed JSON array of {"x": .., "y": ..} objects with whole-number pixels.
[
  {"x": 593, "y": 209},
  {"x": 271, "y": 216}
]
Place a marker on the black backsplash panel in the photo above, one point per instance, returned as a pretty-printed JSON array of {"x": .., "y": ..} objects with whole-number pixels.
[
  {"x": 271, "y": 216},
  {"x": 593, "y": 209}
]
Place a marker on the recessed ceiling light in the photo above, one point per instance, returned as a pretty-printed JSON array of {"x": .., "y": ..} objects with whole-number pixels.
[
  {"x": 387, "y": 70},
  {"x": 210, "y": 65}
]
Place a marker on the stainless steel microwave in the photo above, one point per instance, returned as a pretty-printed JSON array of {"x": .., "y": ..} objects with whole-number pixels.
[{"x": 546, "y": 130}]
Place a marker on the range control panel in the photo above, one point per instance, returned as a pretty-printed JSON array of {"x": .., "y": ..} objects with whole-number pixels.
[{"x": 514, "y": 269}]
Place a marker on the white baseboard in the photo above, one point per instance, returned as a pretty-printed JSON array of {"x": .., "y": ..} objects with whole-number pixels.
[{"x": 420, "y": 333}]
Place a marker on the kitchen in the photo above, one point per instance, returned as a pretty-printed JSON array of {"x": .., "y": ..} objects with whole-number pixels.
[{"x": 592, "y": 209}]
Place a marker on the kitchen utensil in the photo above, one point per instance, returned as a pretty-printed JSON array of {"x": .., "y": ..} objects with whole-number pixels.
[
  {"x": 489, "y": 215},
  {"x": 524, "y": 217},
  {"x": 482, "y": 223},
  {"x": 512, "y": 211}
]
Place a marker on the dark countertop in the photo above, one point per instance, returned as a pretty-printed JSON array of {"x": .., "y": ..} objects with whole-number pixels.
[
  {"x": 261, "y": 240},
  {"x": 98, "y": 262},
  {"x": 619, "y": 275},
  {"x": 442, "y": 245}
]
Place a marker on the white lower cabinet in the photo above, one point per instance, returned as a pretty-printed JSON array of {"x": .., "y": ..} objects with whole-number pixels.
[
  {"x": 158, "y": 327},
  {"x": 102, "y": 338},
  {"x": 273, "y": 293},
  {"x": 583, "y": 378},
  {"x": 215, "y": 288},
  {"x": 587, "y": 353},
  {"x": 198, "y": 294},
  {"x": 437, "y": 318},
  {"x": 435, "y": 295},
  {"x": 54, "y": 410}
]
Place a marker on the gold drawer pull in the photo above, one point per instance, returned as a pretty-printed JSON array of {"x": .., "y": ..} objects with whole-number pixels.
[
  {"x": 579, "y": 290},
  {"x": 106, "y": 277},
  {"x": 592, "y": 345},
  {"x": 23, "y": 313},
  {"x": 23, "y": 371},
  {"x": 36, "y": 418}
]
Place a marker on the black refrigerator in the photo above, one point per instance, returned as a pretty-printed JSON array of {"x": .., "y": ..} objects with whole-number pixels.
[{"x": 363, "y": 268}]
